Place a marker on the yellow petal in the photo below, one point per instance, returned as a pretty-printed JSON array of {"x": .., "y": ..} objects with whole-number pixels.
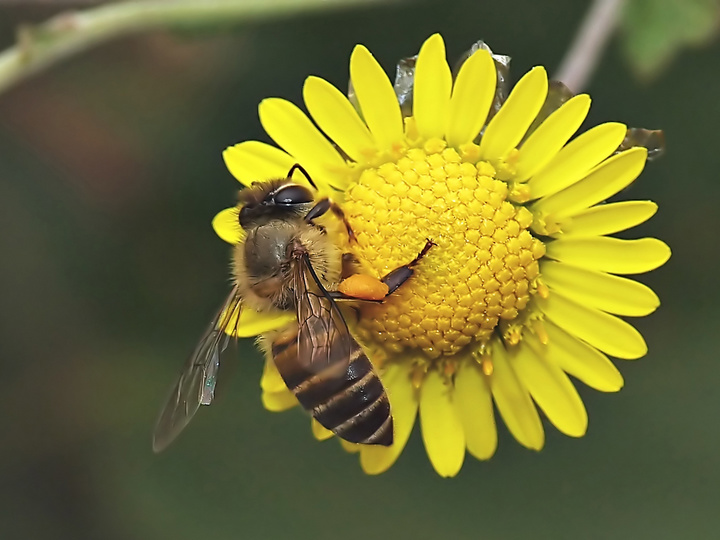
[
  {"x": 609, "y": 218},
  {"x": 577, "y": 158},
  {"x": 605, "y": 332},
  {"x": 254, "y": 161},
  {"x": 473, "y": 400},
  {"x": 278, "y": 401},
  {"x": 335, "y": 115},
  {"x": 603, "y": 291},
  {"x": 508, "y": 126},
  {"x": 472, "y": 96},
  {"x": 577, "y": 358},
  {"x": 433, "y": 85},
  {"x": 442, "y": 431},
  {"x": 604, "y": 181},
  {"x": 320, "y": 432},
  {"x": 552, "y": 391},
  {"x": 271, "y": 381},
  {"x": 227, "y": 226},
  {"x": 514, "y": 403},
  {"x": 403, "y": 403},
  {"x": 350, "y": 447},
  {"x": 547, "y": 140},
  {"x": 377, "y": 99},
  {"x": 612, "y": 255},
  {"x": 253, "y": 323},
  {"x": 290, "y": 128}
]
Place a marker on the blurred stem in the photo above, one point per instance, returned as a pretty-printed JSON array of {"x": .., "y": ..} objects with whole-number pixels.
[
  {"x": 584, "y": 54},
  {"x": 69, "y": 33}
]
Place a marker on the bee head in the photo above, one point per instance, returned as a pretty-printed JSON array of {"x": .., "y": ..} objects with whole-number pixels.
[{"x": 267, "y": 201}]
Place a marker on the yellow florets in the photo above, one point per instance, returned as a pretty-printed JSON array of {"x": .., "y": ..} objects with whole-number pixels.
[{"x": 483, "y": 268}]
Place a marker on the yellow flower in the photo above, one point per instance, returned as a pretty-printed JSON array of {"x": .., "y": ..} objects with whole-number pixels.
[{"x": 522, "y": 288}]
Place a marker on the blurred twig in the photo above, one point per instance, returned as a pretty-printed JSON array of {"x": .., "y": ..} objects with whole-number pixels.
[
  {"x": 583, "y": 55},
  {"x": 69, "y": 33}
]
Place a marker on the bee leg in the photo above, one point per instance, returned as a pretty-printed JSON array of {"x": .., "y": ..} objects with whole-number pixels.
[
  {"x": 350, "y": 265},
  {"x": 358, "y": 286},
  {"x": 338, "y": 296},
  {"x": 400, "y": 275},
  {"x": 322, "y": 207},
  {"x": 341, "y": 215}
]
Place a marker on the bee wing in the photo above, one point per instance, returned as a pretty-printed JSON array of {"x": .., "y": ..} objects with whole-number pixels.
[
  {"x": 196, "y": 384},
  {"x": 332, "y": 377},
  {"x": 324, "y": 340}
]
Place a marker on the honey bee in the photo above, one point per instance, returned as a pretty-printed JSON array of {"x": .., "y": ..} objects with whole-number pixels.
[{"x": 286, "y": 261}]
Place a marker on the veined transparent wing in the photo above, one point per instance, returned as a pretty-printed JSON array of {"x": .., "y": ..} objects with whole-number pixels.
[
  {"x": 196, "y": 384},
  {"x": 324, "y": 340}
]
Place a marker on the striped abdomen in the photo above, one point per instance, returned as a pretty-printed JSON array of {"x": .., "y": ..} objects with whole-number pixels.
[{"x": 346, "y": 398}]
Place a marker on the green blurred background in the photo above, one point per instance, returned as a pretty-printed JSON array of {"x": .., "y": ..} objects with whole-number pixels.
[{"x": 110, "y": 172}]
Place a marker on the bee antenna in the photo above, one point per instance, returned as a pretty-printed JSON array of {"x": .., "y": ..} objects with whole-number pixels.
[
  {"x": 298, "y": 167},
  {"x": 316, "y": 279}
]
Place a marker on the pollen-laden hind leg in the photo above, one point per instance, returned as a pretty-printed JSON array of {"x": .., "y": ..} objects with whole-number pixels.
[
  {"x": 401, "y": 274},
  {"x": 364, "y": 287}
]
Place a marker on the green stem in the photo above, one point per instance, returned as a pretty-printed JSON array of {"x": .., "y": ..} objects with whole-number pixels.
[{"x": 69, "y": 33}]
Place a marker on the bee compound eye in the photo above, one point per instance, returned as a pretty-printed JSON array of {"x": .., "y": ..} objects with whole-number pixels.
[{"x": 293, "y": 194}]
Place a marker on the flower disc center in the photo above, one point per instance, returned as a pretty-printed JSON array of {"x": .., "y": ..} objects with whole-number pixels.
[{"x": 482, "y": 269}]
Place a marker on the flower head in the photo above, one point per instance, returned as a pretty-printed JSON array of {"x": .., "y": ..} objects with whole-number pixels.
[{"x": 523, "y": 287}]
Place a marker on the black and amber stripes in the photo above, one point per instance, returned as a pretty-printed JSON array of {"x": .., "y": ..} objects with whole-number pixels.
[{"x": 345, "y": 397}]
